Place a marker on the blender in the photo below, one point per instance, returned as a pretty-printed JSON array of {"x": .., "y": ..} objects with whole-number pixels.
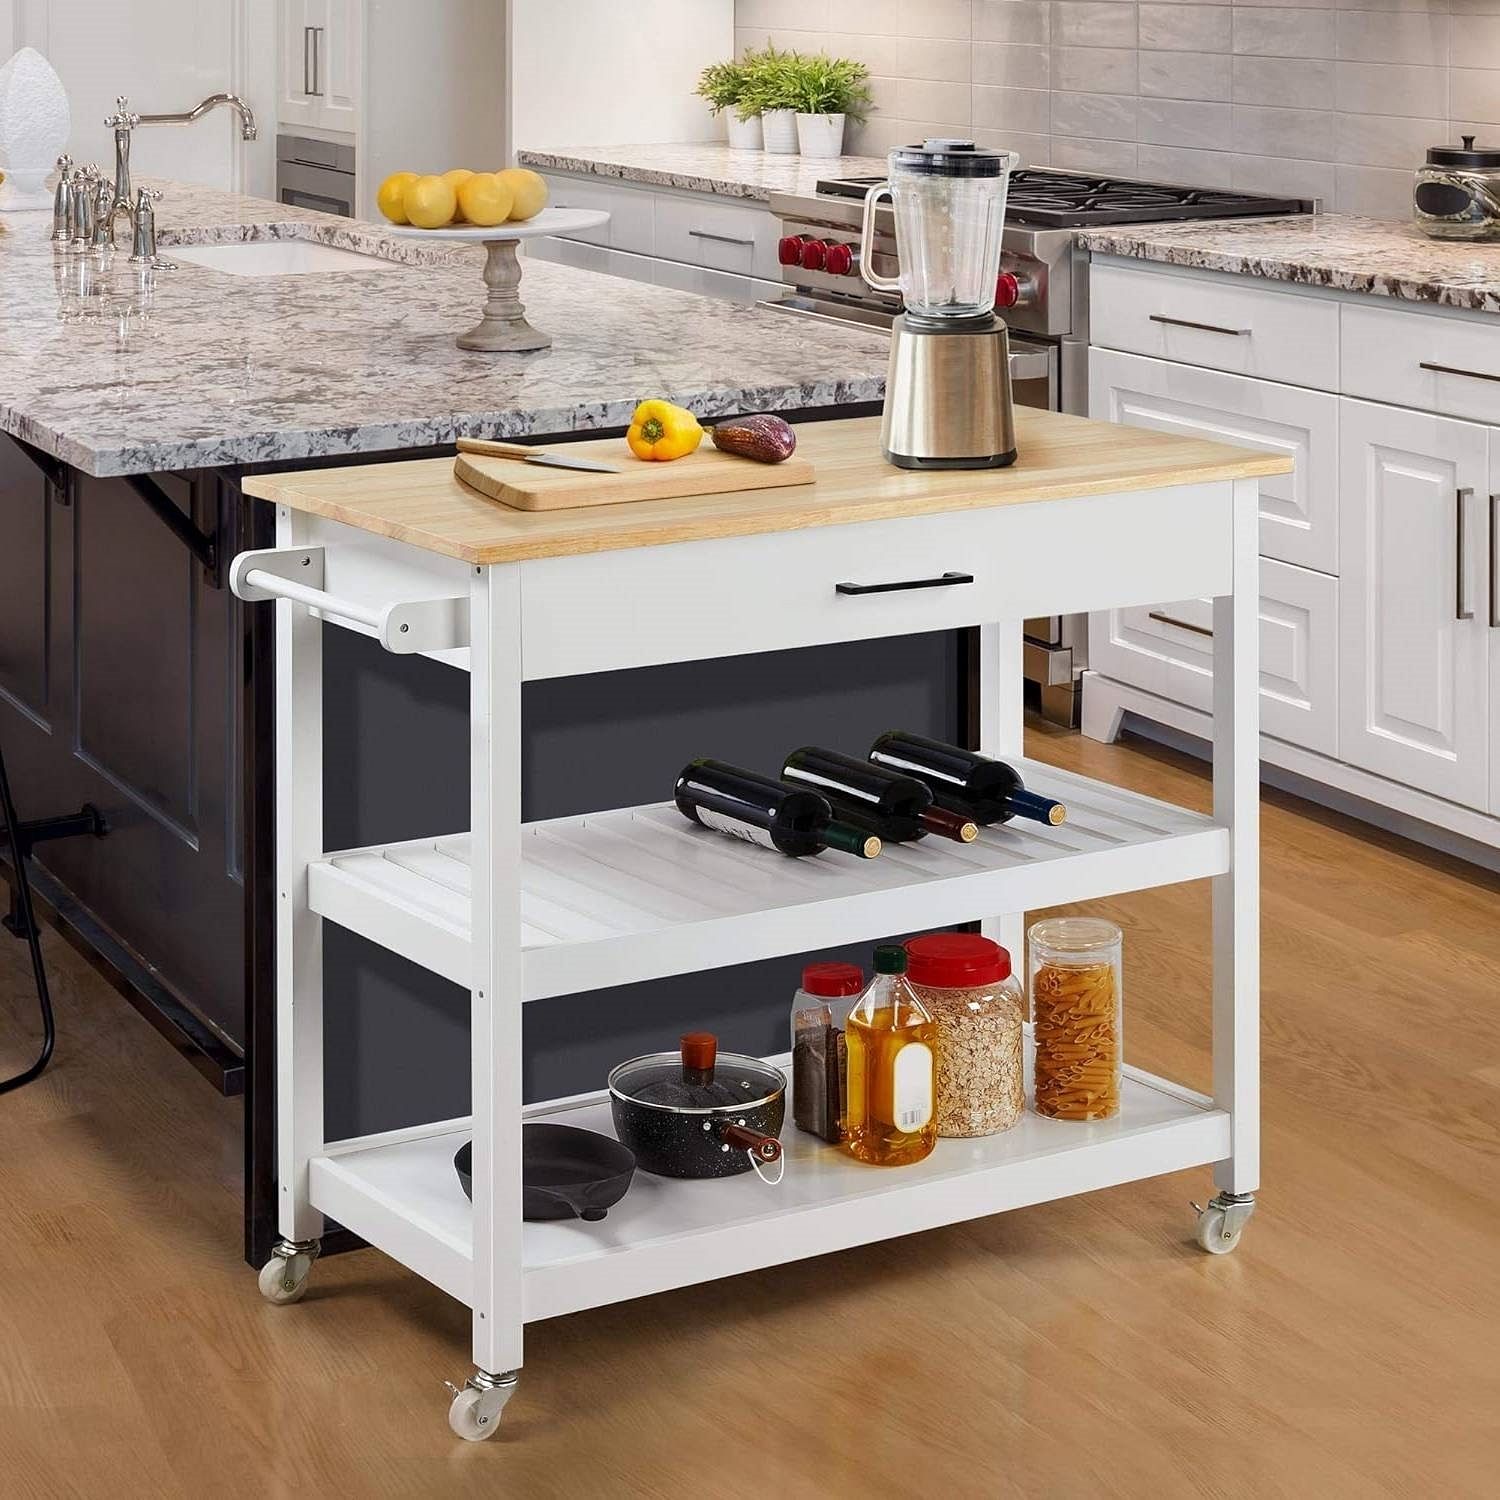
[{"x": 947, "y": 395}]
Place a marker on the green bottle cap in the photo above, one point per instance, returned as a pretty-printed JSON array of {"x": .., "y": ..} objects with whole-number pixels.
[{"x": 890, "y": 958}]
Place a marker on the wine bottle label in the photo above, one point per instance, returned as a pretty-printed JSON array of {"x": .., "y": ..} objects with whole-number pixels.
[
  {"x": 734, "y": 827},
  {"x": 911, "y": 1086}
]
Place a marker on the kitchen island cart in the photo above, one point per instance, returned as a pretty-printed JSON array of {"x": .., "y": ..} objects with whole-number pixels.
[{"x": 1092, "y": 517}]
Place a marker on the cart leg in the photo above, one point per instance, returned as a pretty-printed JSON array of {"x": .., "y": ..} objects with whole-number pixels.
[
  {"x": 1236, "y": 895},
  {"x": 495, "y": 795},
  {"x": 1002, "y": 724},
  {"x": 299, "y": 934}
]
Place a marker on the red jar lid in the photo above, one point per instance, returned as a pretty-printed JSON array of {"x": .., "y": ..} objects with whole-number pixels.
[
  {"x": 956, "y": 960},
  {"x": 830, "y": 979}
]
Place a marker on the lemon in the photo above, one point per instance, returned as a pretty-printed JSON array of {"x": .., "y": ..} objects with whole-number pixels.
[
  {"x": 456, "y": 179},
  {"x": 528, "y": 190},
  {"x": 484, "y": 199},
  {"x": 391, "y": 198},
  {"x": 430, "y": 203}
]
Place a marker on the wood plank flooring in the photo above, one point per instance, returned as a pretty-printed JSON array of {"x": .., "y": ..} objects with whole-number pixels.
[{"x": 1350, "y": 1347}]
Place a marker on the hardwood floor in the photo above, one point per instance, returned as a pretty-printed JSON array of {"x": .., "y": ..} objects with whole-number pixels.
[{"x": 1081, "y": 1348}]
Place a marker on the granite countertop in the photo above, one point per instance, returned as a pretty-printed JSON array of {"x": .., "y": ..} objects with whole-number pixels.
[
  {"x": 705, "y": 167},
  {"x": 1380, "y": 257},
  {"x": 119, "y": 374}
]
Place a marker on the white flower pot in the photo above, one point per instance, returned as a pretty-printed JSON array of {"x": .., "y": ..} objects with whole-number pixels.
[
  {"x": 744, "y": 135},
  {"x": 779, "y": 128},
  {"x": 821, "y": 135},
  {"x": 34, "y": 128}
]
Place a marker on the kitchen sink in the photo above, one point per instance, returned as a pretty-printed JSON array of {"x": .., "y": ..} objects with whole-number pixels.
[{"x": 279, "y": 258}]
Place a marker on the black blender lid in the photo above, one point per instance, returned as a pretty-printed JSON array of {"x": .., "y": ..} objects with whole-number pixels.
[
  {"x": 1465, "y": 155},
  {"x": 940, "y": 156},
  {"x": 697, "y": 1079}
]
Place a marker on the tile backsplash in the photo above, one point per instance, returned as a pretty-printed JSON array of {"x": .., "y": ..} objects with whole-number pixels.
[{"x": 1335, "y": 99}]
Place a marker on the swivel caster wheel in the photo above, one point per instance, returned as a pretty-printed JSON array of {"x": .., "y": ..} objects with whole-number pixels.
[
  {"x": 1221, "y": 1224},
  {"x": 474, "y": 1412},
  {"x": 283, "y": 1278}
]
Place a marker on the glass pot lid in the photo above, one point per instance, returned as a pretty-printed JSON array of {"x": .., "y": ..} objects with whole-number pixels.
[{"x": 697, "y": 1080}]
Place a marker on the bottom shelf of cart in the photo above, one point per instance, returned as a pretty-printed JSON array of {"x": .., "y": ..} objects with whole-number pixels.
[{"x": 400, "y": 1193}]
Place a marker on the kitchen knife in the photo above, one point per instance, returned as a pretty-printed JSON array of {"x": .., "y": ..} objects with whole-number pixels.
[{"x": 530, "y": 455}]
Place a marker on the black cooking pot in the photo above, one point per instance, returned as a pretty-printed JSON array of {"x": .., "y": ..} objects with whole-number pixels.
[
  {"x": 699, "y": 1112},
  {"x": 566, "y": 1173}
]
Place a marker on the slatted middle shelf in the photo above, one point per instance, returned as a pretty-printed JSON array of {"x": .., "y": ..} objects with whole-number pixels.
[{"x": 639, "y": 893}]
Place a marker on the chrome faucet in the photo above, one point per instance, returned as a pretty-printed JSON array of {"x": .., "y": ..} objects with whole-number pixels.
[
  {"x": 230, "y": 101},
  {"x": 143, "y": 239},
  {"x": 121, "y": 122}
]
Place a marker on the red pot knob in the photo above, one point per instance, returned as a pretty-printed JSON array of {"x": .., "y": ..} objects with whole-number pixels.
[
  {"x": 814, "y": 255},
  {"x": 789, "y": 249},
  {"x": 839, "y": 260},
  {"x": 1007, "y": 289}
]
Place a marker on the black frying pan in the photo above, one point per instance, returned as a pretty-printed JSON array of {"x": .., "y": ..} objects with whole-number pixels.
[{"x": 566, "y": 1173}]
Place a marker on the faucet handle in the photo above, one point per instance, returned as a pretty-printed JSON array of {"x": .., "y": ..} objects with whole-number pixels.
[
  {"x": 146, "y": 196},
  {"x": 123, "y": 118},
  {"x": 64, "y": 164}
]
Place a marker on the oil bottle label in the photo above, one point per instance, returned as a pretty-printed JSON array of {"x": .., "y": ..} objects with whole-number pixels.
[
  {"x": 911, "y": 1086},
  {"x": 725, "y": 824}
]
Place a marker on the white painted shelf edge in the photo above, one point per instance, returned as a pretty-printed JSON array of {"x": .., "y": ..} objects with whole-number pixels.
[
  {"x": 640, "y": 893},
  {"x": 400, "y": 1193}
]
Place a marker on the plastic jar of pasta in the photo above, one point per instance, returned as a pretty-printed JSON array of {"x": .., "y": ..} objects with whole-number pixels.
[
  {"x": 965, "y": 982},
  {"x": 1074, "y": 965}
]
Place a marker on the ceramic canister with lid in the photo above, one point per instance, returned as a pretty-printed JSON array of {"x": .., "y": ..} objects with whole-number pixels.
[{"x": 965, "y": 981}]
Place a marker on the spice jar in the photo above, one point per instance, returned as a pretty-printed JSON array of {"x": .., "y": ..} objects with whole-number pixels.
[
  {"x": 965, "y": 981},
  {"x": 819, "y": 1058},
  {"x": 1076, "y": 1000}
]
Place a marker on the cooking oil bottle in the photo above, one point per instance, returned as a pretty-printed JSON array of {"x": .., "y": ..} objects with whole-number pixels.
[{"x": 892, "y": 1046}]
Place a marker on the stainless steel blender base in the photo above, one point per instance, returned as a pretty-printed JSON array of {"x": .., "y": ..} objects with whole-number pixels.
[{"x": 947, "y": 396}]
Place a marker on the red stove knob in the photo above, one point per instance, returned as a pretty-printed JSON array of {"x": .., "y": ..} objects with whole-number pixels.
[
  {"x": 1007, "y": 289},
  {"x": 789, "y": 249},
  {"x": 839, "y": 260},
  {"x": 814, "y": 255}
]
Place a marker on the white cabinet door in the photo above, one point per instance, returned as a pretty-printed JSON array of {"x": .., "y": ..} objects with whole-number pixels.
[
  {"x": 1414, "y": 692},
  {"x": 296, "y": 102},
  {"x": 336, "y": 53},
  {"x": 1298, "y": 511}
]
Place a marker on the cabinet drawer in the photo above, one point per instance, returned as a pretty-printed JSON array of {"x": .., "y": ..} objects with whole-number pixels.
[
  {"x": 1385, "y": 352},
  {"x": 753, "y": 593},
  {"x": 707, "y": 231},
  {"x": 1224, "y": 326},
  {"x": 1298, "y": 511},
  {"x": 1168, "y": 650},
  {"x": 632, "y": 213}
]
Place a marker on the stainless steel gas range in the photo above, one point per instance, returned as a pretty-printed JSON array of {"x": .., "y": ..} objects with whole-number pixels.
[{"x": 1042, "y": 295}]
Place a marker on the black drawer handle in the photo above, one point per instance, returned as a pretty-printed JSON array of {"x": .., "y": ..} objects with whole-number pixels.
[
  {"x": 947, "y": 581},
  {"x": 1180, "y": 624}
]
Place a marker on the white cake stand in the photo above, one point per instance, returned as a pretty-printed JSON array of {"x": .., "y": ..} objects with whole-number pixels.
[{"x": 503, "y": 328}]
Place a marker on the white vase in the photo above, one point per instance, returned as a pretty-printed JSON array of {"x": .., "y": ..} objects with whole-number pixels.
[
  {"x": 779, "y": 130},
  {"x": 34, "y": 129},
  {"x": 820, "y": 135},
  {"x": 744, "y": 135}
]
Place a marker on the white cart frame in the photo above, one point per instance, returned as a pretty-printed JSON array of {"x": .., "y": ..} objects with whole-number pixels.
[{"x": 520, "y": 913}]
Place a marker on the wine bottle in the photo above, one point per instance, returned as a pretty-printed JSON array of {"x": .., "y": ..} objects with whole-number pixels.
[
  {"x": 989, "y": 791},
  {"x": 747, "y": 805},
  {"x": 899, "y": 808}
]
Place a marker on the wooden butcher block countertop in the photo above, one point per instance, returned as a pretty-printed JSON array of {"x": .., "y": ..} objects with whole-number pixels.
[{"x": 1062, "y": 457}]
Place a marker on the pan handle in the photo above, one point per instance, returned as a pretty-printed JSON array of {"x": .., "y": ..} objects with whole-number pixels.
[
  {"x": 762, "y": 1149},
  {"x": 577, "y": 1203}
]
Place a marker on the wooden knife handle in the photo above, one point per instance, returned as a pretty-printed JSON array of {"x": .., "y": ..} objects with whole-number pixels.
[{"x": 494, "y": 449}]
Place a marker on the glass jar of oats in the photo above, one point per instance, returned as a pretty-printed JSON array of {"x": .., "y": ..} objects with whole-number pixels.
[
  {"x": 1076, "y": 1008},
  {"x": 966, "y": 984}
]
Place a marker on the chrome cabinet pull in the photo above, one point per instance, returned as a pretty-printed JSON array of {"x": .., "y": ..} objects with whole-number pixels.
[
  {"x": 317, "y": 59},
  {"x": 1494, "y": 563},
  {"x": 1454, "y": 370},
  {"x": 1180, "y": 624},
  {"x": 307, "y": 87},
  {"x": 718, "y": 239},
  {"x": 1461, "y": 497},
  {"x": 1238, "y": 333},
  {"x": 948, "y": 580}
]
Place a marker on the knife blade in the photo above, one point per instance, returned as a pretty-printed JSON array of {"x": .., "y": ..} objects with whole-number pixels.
[{"x": 492, "y": 449}]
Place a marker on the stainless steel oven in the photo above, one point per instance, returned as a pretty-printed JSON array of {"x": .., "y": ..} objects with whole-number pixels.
[{"x": 315, "y": 174}]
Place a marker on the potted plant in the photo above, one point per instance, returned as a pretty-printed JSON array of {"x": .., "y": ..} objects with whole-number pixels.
[
  {"x": 771, "y": 92},
  {"x": 723, "y": 86},
  {"x": 829, "y": 92}
]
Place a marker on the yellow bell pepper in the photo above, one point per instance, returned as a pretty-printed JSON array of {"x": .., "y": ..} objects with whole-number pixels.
[{"x": 660, "y": 431}]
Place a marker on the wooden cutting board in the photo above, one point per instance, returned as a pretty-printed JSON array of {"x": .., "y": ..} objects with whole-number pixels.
[{"x": 526, "y": 486}]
